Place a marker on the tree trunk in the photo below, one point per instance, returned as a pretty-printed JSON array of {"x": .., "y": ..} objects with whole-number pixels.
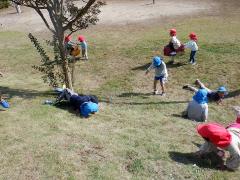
[
  {"x": 65, "y": 67},
  {"x": 73, "y": 70}
]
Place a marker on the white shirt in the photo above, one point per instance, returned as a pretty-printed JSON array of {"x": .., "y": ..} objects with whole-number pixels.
[
  {"x": 176, "y": 42},
  {"x": 159, "y": 71},
  {"x": 191, "y": 45}
]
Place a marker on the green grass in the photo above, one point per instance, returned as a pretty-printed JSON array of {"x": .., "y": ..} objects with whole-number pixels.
[{"x": 135, "y": 135}]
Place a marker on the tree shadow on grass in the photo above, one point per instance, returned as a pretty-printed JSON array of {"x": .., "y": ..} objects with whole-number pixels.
[
  {"x": 24, "y": 93},
  {"x": 233, "y": 94},
  {"x": 211, "y": 160}
]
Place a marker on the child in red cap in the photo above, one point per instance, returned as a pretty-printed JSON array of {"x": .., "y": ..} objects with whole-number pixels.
[
  {"x": 219, "y": 139},
  {"x": 192, "y": 44},
  {"x": 68, "y": 44},
  {"x": 84, "y": 46},
  {"x": 174, "y": 43}
]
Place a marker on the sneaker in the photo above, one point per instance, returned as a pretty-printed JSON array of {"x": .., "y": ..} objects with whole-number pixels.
[
  {"x": 163, "y": 94},
  {"x": 194, "y": 63},
  {"x": 190, "y": 62},
  {"x": 186, "y": 86},
  {"x": 155, "y": 92}
]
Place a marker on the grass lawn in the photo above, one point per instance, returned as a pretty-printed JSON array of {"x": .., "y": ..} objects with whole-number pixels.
[{"x": 135, "y": 135}]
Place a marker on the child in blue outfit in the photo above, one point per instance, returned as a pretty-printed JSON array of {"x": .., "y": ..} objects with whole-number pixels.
[
  {"x": 192, "y": 44},
  {"x": 84, "y": 46},
  {"x": 86, "y": 105},
  {"x": 161, "y": 73}
]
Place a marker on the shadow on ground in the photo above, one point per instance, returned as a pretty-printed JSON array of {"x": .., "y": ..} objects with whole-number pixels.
[
  {"x": 23, "y": 93},
  {"x": 65, "y": 105},
  {"x": 169, "y": 65},
  {"x": 210, "y": 160}
]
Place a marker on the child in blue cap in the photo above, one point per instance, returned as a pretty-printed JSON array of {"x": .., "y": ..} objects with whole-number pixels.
[
  {"x": 161, "y": 73},
  {"x": 85, "y": 104},
  {"x": 216, "y": 96}
]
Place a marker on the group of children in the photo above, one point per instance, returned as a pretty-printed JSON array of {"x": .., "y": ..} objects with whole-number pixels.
[
  {"x": 172, "y": 49},
  {"x": 217, "y": 138},
  {"x": 72, "y": 48}
]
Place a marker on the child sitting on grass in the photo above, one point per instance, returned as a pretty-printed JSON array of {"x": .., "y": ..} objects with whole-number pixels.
[
  {"x": 192, "y": 44},
  {"x": 161, "y": 73}
]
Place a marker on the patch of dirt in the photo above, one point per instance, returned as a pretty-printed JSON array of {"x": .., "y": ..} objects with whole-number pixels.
[{"x": 118, "y": 12}]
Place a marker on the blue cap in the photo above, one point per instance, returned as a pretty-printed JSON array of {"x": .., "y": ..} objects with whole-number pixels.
[
  {"x": 4, "y": 104},
  {"x": 222, "y": 89},
  {"x": 201, "y": 96},
  {"x": 157, "y": 61},
  {"x": 88, "y": 108}
]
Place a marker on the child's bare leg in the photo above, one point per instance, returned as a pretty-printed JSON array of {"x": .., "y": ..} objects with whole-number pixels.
[
  {"x": 162, "y": 86},
  {"x": 201, "y": 85},
  {"x": 189, "y": 87},
  {"x": 155, "y": 85},
  {"x": 172, "y": 59}
]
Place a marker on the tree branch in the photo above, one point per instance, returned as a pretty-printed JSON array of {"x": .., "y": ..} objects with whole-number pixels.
[{"x": 80, "y": 14}]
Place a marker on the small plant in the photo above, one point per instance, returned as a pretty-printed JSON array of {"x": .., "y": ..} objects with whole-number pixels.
[{"x": 51, "y": 73}]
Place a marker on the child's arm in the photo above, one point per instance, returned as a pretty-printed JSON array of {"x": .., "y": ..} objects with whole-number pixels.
[
  {"x": 149, "y": 69},
  {"x": 165, "y": 72},
  {"x": 187, "y": 45}
]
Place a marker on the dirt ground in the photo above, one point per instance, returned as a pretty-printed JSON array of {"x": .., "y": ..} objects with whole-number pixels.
[{"x": 116, "y": 12}]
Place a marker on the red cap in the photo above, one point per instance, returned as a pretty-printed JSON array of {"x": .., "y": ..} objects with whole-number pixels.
[
  {"x": 193, "y": 36},
  {"x": 215, "y": 133},
  {"x": 173, "y": 32},
  {"x": 81, "y": 38},
  {"x": 67, "y": 38}
]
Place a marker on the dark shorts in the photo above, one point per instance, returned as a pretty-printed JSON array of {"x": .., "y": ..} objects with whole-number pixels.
[{"x": 160, "y": 78}]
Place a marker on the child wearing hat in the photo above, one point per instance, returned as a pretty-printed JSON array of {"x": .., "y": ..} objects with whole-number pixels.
[
  {"x": 192, "y": 44},
  {"x": 161, "y": 73},
  {"x": 219, "y": 139},
  {"x": 68, "y": 44},
  {"x": 174, "y": 43},
  {"x": 85, "y": 104},
  {"x": 216, "y": 96},
  {"x": 84, "y": 46}
]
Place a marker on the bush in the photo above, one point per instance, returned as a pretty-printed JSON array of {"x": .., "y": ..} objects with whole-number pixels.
[{"x": 4, "y": 4}]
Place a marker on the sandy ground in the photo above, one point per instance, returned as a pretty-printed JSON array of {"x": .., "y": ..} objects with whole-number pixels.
[{"x": 116, "y": 12}]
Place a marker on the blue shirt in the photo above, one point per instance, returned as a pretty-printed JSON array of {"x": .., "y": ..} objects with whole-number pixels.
[{"x": 83, "y": 45}]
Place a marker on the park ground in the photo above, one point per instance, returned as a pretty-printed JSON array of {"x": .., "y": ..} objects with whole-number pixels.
[{"x": 135, "y": 135}]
